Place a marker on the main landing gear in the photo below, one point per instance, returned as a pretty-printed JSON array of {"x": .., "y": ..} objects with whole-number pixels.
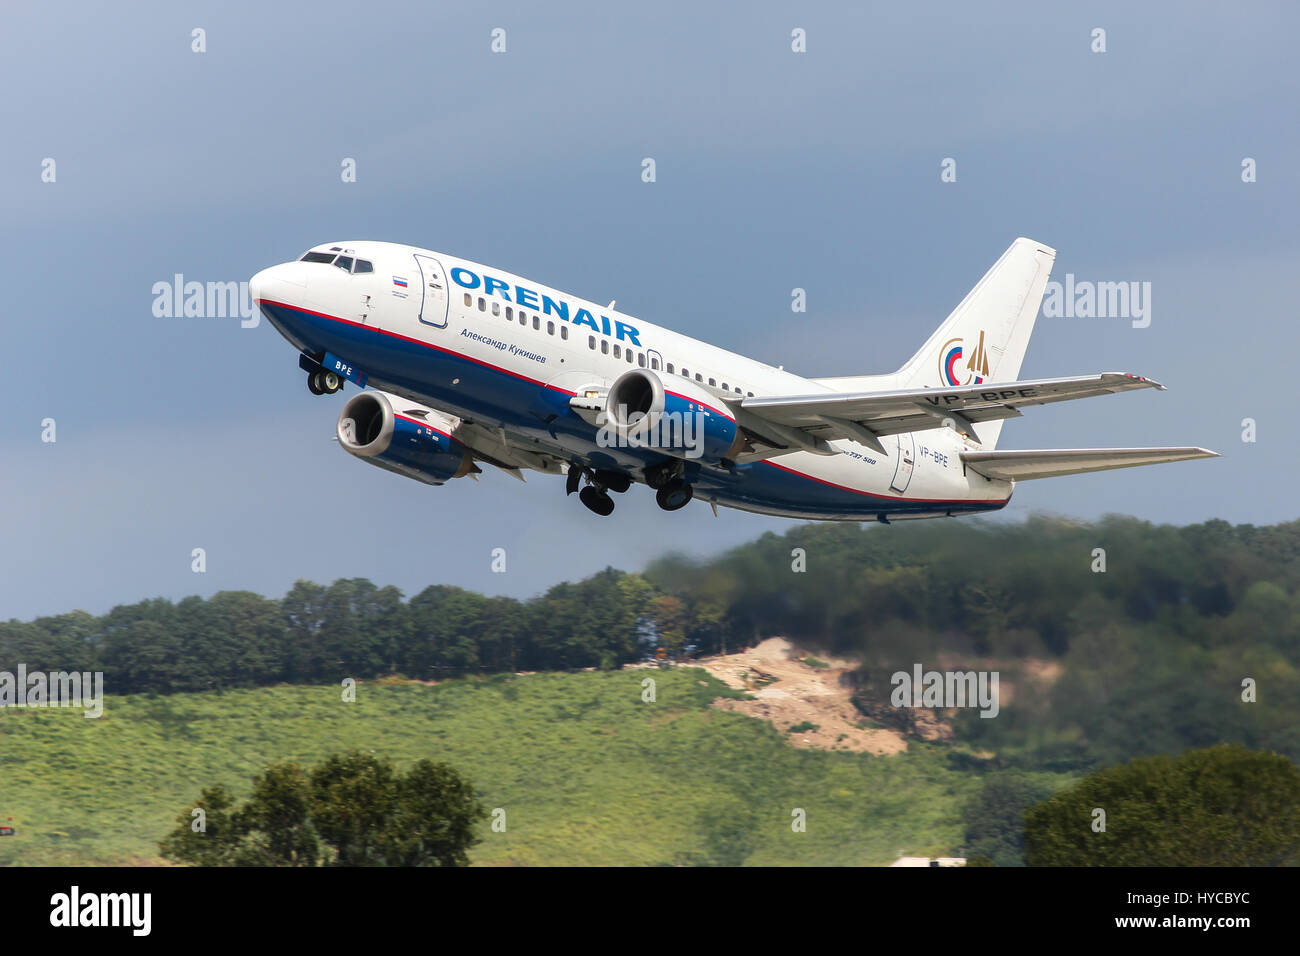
[
  {"x": 674, "y": 495},
  {"x": 324, "y": 383},
  {"x": 671, "y": 492},
  {"x": 597, "y": 500},
  {"x": 599, "y": 484}
]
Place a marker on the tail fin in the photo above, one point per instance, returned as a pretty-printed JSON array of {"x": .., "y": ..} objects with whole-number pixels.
[{"x": 985, "y": 337}]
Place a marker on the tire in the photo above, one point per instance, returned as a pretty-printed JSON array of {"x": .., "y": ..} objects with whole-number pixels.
[
  {"x": 674, "y": 495},
  {"x": 597, "y": 501},
  {"x": 615, "y": 481},
  {"x": 311, "y": 384}
]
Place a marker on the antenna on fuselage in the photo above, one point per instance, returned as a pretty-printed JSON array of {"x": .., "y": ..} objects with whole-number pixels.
[{"x": 611, "y": 305}]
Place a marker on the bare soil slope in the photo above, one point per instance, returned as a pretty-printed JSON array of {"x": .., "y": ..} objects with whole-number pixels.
[{"x": 791, "y": 693}]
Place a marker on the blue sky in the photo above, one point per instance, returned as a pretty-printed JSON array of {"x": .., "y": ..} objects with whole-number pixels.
[{"x": 775, "y": 170}]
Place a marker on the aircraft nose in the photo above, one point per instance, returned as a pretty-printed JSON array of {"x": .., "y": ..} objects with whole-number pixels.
[
  {"x": 259, "y": 285},
  {"x": 278, "y": 282}
]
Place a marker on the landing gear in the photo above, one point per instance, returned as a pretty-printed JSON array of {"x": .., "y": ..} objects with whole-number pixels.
[
  {"x": 599, "y": 484},
  {"x": 597, "y": 500},
  {"x": 615, "y": 481},
  {"x": 323, "y": 383},
  {"x": 673, "y": 492},
  {"x": 659, "y": 475},
  {"x": 674, "y": 495}
]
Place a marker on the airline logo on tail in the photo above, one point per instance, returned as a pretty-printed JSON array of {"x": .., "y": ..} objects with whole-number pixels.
[{"x": 976, "y": 367}]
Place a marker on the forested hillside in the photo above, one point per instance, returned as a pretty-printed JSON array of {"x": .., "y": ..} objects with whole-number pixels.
[{"x": 1151, "y": 630}]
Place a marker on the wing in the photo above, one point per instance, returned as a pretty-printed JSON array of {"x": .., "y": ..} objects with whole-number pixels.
[
  {"x": 492, "y": 446},
  {"x": 1053, "y": 462},
  {"x": 807, "y": 422}
]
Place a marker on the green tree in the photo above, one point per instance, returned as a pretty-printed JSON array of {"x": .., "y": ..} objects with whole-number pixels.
[
  {"x": 994, "y": 818},
  {"x": 351, "y": 809},
  {"x": 1220, "y": 806},
  {"x": 276, "y": 822},
  {"x": 211, "y": 838}
]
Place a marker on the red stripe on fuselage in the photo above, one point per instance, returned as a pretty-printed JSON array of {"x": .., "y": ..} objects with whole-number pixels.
[{"x": 407, "y": 338}]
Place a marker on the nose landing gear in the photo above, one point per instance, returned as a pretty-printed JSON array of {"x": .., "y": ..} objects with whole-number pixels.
[{"x": 323, "y": 383}]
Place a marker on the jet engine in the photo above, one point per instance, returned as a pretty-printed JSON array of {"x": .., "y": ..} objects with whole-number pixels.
[
  {"x": 670, "y": 414},
  {"x": 403, "y": 437}
]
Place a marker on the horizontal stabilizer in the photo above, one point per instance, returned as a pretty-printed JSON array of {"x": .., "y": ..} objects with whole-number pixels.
[
  {"x": 810, "y": 421},
  {"x": 1053, "y": 462}
]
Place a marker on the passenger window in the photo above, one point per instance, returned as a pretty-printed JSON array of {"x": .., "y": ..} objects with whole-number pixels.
[
  {"x": 344, "y": 263},
  {"x": 550, "y": 328},
  {"x": 670, "y": 368},
  {"x": 496, "y": 308},
  {"x": 510, "y": 314},
  {"x": 363, "y": 266},
  {"x": 537, "y": 323},
  {"x": 482, "y": 304},
  {"x": 685, "y": 373},
  {"x": 523, "y": 318},
  {"x": 604, "y": 346},
  {"x": 640, "y": 359},
  {"x": 618, "y": 351},
  {"x": 724, "y": 386},
  {"x": 564, "y": 331},
  {"x": 469, "y": 300},
  {"x": 749, "y": 394},
  {"x": 591, "y": 342},
  {"x": 699, "y": 377}
]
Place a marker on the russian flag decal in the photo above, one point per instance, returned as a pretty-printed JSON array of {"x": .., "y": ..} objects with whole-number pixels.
[{"x": 400, "y": 283}]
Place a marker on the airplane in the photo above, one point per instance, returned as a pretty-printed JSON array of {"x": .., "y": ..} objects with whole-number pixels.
[{"x": 461, "y": 365}]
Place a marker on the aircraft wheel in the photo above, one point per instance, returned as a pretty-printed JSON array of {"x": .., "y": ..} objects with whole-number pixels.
[
  {"x": 596, "y": 500},
  {"x": 615, "y": 481},
  {"x": 312, "y": 386},
  {"x": 674, "y": 495}
]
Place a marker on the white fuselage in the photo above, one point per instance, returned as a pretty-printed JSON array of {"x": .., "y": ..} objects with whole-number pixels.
[{"x": 508, "y": 354}]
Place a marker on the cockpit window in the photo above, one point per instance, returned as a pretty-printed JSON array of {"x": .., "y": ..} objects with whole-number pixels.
[
  {"x": 363, "y": 266},
  {"x": 344, "y": 263},
  {"x": 318, "y": 257}
]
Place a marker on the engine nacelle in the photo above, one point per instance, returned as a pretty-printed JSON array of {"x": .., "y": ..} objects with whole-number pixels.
[
  {"x": 673, "y": 415},
  {"x": 403, "y": 437}
]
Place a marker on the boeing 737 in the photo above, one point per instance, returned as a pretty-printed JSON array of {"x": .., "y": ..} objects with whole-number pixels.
[{"x": 461, "y": 365}]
